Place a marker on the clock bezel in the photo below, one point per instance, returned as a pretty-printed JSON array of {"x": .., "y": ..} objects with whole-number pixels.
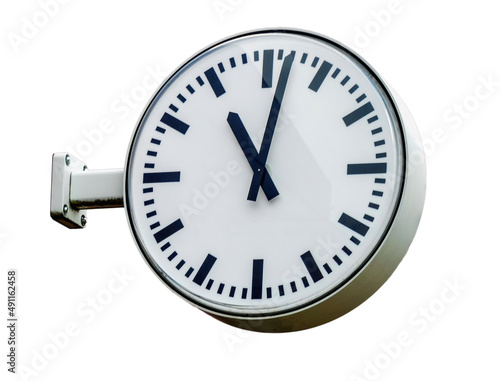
[{"x": 355, "y": 288}]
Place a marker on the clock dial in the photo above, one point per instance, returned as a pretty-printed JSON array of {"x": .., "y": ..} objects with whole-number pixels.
[{"x": 265, "y": 173}]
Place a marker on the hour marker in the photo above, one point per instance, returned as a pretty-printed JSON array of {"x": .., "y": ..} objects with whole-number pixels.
[
  {"x": 379, "y": 143},
  {"x": 161, "y": 177},
  {"x": 366, "y": 168},
  {"x": 161, "y": 130},
  {"x": 173, "y": 108},
  {"x": 269, "y": 292},
  {"x": 232, "y": 62},
  {"x": 244, "y": 293},
  {"x": 175, "y": 123},
  {"x": 244, "y": 59},
  {"x": 180, "y": 264},
  {"x": 151, "y": 214},
  {"x": 353, "y": 224},
  {"x": 147, "y": 190},
  {"x": 167, "y": 231},
  {"x": 373, "y": 119},
  {"x": 172, "y": 256},
  {"x": 355, "y": 240},
  {"x": 165, "y": 247},
  {"x": 315, "y": 61},
  {"x": 205, "y": 268},
  {"x": 152, "y": 153},
  {"x": 149, "y": 202},
  {"x": 156, "y": 141},
  {"x": 190, "y": 89},
  {"x": 267, "y": 69},
  {"x": 335, "y": 73},
  {"x": 373, "y": 205},
  {"x": 280, "y": 54},
  {"x": 232, "y": 291},
  {"x": 379, "y": 181},
  {"x": 357, "y": 114},
  {"x": 346, "y": 250},
  {"x": 221, "y": 67},
  {"x": 320, "y": 76},
  {"x": 181, "y": 98},
  {"x": 256, "y": 55},
  {"x": 304, "y": 58},
  {"x": 337, "y": 260},
  {"x": 200, "y": 81},
  {"x": 258, "y": 267},
  {"x": 311, "y": 266},
  {"x": 377, "y": 131},
  {"x": 154, "y": 226},
  {"x": 214, "y": 81},
  {"x": 149, "y": 165},
  {"x": 293, "y": 286},
  {"x": 377, "y": 193}
]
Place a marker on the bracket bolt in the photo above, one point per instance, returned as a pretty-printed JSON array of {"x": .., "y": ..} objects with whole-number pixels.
[
  {"x": 67, "y": 160},
  {"x": 65, "y": 209},
  {"x": 83, "y": 220}
]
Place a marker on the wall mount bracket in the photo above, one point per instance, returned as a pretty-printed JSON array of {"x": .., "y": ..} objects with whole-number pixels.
[{"x": 75, "y": 189}]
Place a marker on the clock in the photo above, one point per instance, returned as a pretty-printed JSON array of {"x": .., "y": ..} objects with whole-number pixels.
[{"x": 269, "y": 180}]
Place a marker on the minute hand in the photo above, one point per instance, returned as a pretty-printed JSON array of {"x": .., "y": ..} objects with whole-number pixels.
[{"x": 270, "y": 127}]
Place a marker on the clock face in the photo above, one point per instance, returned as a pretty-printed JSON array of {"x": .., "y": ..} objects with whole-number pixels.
[{"x": 265, "y": 173}]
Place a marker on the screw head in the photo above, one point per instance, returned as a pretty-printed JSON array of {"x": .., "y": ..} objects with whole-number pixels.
[
  {"x": 65, "y": 209},
  {"x": 67, "y": 159},
  {"x": 83, "y": 220}
]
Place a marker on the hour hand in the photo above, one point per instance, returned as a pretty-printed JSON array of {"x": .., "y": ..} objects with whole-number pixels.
[{"x": 251, "y": 153}]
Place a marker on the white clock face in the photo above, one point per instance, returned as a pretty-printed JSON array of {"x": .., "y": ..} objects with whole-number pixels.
[{"x": 265, "y": 173}]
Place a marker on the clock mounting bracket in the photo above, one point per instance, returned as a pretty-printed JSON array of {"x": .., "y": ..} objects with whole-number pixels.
[{"x": 75, "y": 188}]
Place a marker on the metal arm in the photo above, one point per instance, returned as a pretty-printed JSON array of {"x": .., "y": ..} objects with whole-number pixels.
[{"x": 75, "y": 189}]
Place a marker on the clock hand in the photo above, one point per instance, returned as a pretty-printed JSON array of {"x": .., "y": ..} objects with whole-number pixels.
[
  {"x": 258, "y": 174},
  {"x": 250, "y": 152}
]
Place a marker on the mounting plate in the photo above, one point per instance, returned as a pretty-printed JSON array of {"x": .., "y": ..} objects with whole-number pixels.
[{"x": 61, "y": 209}]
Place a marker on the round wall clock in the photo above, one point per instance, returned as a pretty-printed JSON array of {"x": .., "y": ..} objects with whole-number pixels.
[{"x": 268, "y": 181}]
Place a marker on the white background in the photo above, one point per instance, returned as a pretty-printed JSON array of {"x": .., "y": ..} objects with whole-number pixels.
[{"x": 64, "y": 68}]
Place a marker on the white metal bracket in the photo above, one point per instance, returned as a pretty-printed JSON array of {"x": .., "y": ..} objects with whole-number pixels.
[{"x": 75, "y": 189}]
